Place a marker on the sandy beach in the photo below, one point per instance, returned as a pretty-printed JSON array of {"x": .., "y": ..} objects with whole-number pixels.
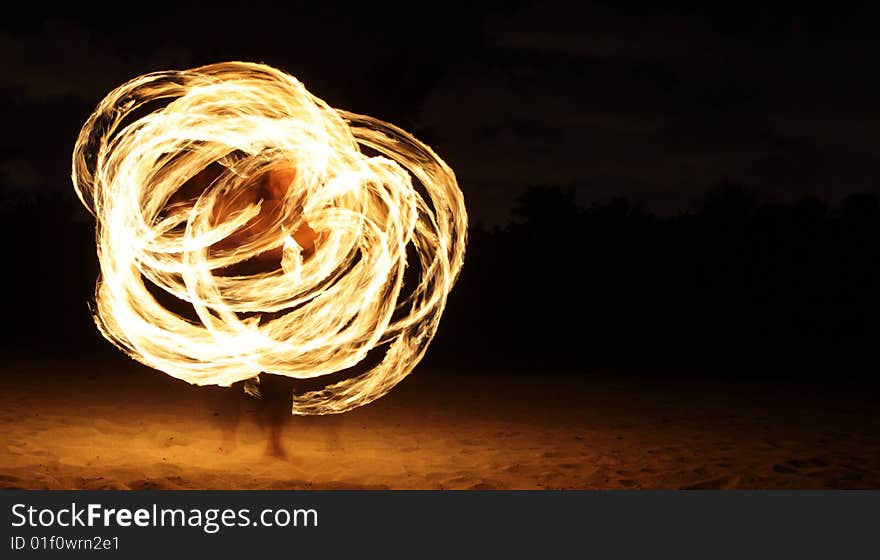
[{"x": 118, "y": 425}]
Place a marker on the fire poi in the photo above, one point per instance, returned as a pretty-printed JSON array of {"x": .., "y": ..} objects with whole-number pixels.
[{"x": 339, "y": 204}]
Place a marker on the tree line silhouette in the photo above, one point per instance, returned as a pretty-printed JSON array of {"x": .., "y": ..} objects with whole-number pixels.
[{"x": 731, "y": 286}]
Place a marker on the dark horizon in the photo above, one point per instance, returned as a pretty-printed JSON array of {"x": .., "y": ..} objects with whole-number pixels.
[{"x": 730, "y": 288}]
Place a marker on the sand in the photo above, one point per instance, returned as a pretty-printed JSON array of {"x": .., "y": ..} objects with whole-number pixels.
[{"x": 77, "y": 424}]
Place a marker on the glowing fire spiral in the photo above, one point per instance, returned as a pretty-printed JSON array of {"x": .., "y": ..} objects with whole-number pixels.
[{"x": 348, "y": 195}]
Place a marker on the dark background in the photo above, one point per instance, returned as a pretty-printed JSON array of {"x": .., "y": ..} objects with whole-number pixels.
[{"x": 664, "y": 188}]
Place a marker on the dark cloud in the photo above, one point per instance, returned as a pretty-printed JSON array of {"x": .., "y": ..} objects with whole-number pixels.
[
  {"x": 61, "y": 59},
  {"x": 56, "y": 69},
  {"x": 658, "y": 107},
  {"x": 53, "y": 76},
  {"x": 654, "y": 102}
]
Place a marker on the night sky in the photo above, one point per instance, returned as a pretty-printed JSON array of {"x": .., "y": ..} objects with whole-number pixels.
[{"x": 608, "y": 98}]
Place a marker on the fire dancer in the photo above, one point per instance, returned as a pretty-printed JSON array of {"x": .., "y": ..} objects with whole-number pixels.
[{"x": 268, "y": 189}]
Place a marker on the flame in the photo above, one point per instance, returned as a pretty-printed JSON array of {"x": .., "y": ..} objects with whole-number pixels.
[{"x": 283, "y": 222}]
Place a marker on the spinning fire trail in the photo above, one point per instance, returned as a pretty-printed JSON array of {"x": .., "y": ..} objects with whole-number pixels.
[{"x": 284, "y": 223}]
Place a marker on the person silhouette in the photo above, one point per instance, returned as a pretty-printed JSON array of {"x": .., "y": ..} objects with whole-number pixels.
[{"x": 274, "y": 392}]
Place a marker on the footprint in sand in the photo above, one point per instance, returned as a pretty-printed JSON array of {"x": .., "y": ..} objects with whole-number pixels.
[
  {"x": 459, "y": 481},
  {"x": 8, "y": 482},
  {"x": 98, "y": 483},
  {"x": 162, "y": 483},
  {"x": 484, "y": 486},
  {"x": 106, "y": 427},
  {"x": 721, "y": 483},
  {"x": 504, "y": 434},
  {"x": 178, "y": 440},
  {"x": 808, "y": 466},
  {"x": 28, "y": 449},
  {"x": 144, "y": 485}
]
